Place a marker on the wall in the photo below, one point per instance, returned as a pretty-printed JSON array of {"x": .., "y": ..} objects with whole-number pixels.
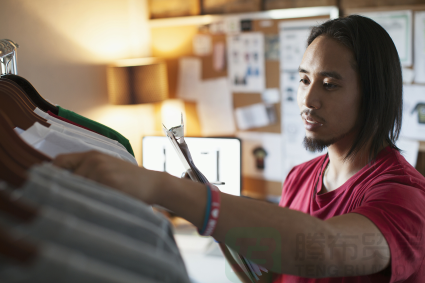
[{"x": 65, "y": 47}]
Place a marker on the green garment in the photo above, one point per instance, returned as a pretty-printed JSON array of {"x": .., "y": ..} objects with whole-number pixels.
[{"x": 95, "y": 126}]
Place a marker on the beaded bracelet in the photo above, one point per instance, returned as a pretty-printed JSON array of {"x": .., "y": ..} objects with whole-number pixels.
[{"x": 212, "y": 211}]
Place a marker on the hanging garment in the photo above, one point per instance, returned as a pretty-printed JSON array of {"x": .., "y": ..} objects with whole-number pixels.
[
  {"x": 45, "y": 193},
  {"x": 101, "y": 193},
  {"x": 96, "y": 142},
  {"x": 95, "y": 126},
  {"x": 53, "y": 120},
  {"x": 101, "y": 244},
  {"x": 32, "y": 93},
  {"x": 60, "y": 265},
  {"x": 53, "y": 143}
]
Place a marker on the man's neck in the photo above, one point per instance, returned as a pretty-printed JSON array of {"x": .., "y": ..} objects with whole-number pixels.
[{"x": 339, "y": 170}]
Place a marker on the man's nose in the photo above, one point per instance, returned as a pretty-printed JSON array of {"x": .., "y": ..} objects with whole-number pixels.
[{"x": 311, "y": 96}]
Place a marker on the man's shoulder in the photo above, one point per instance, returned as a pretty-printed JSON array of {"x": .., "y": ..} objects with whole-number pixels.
[{"x": 392, "y": 168}]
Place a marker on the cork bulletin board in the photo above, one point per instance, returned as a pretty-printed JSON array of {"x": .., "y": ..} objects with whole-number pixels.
[
  {"x": 183, "y": 47},
  {"x": 269, "y": 27}
]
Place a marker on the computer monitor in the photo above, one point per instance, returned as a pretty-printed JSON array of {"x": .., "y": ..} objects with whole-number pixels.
[{"x": 219, "y": 159}]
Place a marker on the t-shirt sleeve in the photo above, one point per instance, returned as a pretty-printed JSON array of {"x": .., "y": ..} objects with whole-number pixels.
[{"x": 399, "y": 212}]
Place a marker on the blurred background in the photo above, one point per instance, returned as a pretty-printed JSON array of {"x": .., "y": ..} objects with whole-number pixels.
[{"x": 230, "y": 66}]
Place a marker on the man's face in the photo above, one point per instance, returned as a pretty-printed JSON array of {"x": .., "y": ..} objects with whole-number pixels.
[{"x": 328, "y": 95}]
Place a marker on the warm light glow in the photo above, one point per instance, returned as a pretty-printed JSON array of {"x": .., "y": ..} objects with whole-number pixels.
[
  {"x": 132, "y": 121},
  {"x": 118, "y": 29},
  {"x": 170, "y": 41},
  {"x": 171, "y": 112},
  {"x": 136, "y": 62}
]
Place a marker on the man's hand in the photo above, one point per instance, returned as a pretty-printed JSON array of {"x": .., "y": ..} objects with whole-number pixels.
[{"x": 113, "y": 172}]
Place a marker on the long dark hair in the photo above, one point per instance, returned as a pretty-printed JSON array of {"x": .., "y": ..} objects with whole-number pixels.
[{"x": 378, "y": 66}]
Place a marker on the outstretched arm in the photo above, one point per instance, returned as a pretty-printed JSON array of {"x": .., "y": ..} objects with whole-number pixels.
[{"x": 280, "y": 239}]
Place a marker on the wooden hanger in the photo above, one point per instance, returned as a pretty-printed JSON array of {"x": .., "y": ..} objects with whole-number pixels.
[
  {"x": 23, "y": 153},
  {"x": 11, "y": 171},
  {"x": 20, "y": 114},
  {"x": 20, "y": 93},
  {"x": 32, "y": 93},
  {"x": 14, "y": 174},
  {"x": 17, "y": 250}
]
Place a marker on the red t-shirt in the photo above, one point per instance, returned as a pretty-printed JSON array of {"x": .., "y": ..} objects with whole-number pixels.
[{"x": 391, "y": 193}]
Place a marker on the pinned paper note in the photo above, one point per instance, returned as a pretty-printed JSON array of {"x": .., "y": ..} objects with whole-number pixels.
[
  {"x": 246, "y": 69},
  {"x": 271, "y": 95},
  {"x": 215, "y": 108},
  {"x": 293, "y": 42},
  {"x": 419, "y": 47},
  {"x": 202, "y": 45},
  {"x": 189, "y": 78},
  {"x": 398, "y": 24},
  {"x": 271, "y": 46},
  {"x": 232, "y": 25},
  {"x": 213, "y": 98},
  {"x": 219, "y": 57},
  {"x": 255, "y": 116},
  {"x": 413, "y": 126}
]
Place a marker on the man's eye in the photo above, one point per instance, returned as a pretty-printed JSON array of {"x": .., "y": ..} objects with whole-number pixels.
[
  {"x": 304, "y": 81},
  {"x": 329, "y": 86}
]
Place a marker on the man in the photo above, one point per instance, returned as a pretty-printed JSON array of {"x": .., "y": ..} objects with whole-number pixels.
[{"x": 353, "y": 215}]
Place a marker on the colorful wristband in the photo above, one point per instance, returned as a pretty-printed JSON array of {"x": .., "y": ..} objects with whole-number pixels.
[
  {"x": 207, "y": 211},
  {"x": 213, "y": 211}
]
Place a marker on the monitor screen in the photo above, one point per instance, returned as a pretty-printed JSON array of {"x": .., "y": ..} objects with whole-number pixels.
[{"x": 219, "y": 159}]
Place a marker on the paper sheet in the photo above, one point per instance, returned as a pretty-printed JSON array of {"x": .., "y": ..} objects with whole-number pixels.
[
  {"x": 271, "y": 95},
  {"x": 213, "y": 97},
  {"x": 272, "y": 143},
  {"x": 271, "y": 46},
  {"x": 219, "y": 57},
  {"x": 246, "y": 70},
  {"x": 252, "y": 116},
  {"x": 189, "y": 79},
  {"x": 202, "y": 45},
  {"x": 398, "y": 24},
  {"x": 293, "y": 42},
  {"x": 215, "y": 108},
  {"x": 419, "y": 63},
  {"x": 413, "y": 112}
]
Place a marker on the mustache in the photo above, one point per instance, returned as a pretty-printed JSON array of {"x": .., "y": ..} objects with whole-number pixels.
[{"x": 310, "y": 113}]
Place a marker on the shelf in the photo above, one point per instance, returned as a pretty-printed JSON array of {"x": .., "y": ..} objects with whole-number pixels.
[{"x": 293, "y": 13}]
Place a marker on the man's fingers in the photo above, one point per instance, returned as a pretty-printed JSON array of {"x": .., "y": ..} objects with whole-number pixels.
[
  {"x": 74, "y": 161},
  {"x": 69, "y": 161},
  {"x": 90, "y": 165}
]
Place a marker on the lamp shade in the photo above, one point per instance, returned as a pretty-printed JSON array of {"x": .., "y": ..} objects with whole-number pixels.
[{"x": 137, "y": 81}]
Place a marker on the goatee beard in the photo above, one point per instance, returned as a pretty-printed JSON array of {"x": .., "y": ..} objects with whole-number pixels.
[{"x": 316, "y": 145}]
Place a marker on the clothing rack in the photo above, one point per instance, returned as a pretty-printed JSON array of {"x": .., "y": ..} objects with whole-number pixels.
[{"x": 52, "y": 220}]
